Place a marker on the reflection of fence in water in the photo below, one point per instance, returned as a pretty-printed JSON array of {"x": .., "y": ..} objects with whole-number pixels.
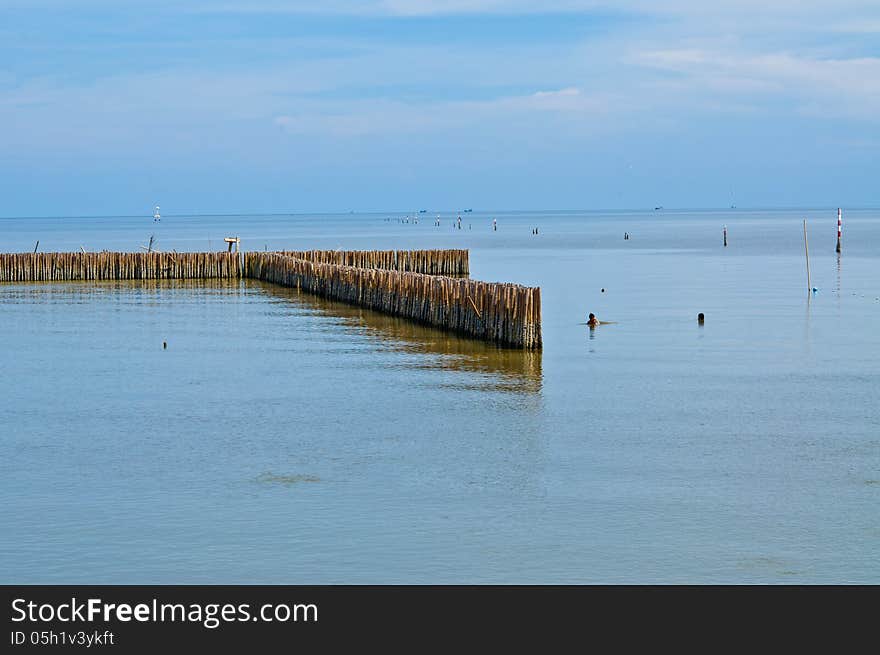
[
  {"x": 507, "y": 369},
  {"x": 510, "y": 369},
  {"x": 122, "y": 291}
]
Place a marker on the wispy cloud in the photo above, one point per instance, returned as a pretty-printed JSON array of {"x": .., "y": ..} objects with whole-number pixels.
[
  {"x": 262, "y": 81},
  {"x": 829, "y": 87},
  {"x": 378, "y": 117}
]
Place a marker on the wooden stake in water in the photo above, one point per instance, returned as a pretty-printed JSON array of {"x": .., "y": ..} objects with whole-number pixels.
[
  {"x": 807, "y": 254},
  {"x": 724, "y": 228}
]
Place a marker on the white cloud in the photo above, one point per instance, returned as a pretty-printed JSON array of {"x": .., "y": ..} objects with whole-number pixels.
[
  {"x": 827, "y": 87},
  {"x": 856, "y": 26},
  {"x": 591, "y": 87},
  {"x": 375, "y": 117},
  {"x": 756, "y": 15}
]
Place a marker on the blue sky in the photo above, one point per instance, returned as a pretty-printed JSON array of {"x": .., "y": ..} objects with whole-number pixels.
[{"x": 108, "y": 107}]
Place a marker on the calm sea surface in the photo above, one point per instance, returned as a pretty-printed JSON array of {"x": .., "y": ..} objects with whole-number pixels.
[{"x": 286, "y": 439}]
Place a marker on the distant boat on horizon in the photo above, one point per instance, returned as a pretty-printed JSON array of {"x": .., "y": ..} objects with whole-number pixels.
[
  {"x": 468, "y": 211},
  {"x": 156, "y": 215},
  {"x": 423, "y": 211}
]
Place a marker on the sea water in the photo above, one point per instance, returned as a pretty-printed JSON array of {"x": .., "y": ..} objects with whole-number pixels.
[{"x": 282, "y": 438}]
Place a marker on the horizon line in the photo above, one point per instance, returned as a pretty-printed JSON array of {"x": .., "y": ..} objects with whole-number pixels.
[{"x": 659, "y": 208}]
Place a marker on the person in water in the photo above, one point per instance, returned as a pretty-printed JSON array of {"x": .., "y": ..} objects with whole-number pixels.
[{"x": 593, "y": 321}]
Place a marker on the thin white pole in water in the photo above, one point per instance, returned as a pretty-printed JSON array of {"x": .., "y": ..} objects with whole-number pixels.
[
  {"x": 839, "y": 228},
  {"x": 807, "y": 254}
]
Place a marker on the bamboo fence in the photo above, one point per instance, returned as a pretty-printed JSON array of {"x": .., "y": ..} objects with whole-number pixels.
[
  {"x": 412, "y": 284},
  {"x": 505, "y": 314},
  {"x": 60, "y": 266},
  {"x": 429, "y": 262}
]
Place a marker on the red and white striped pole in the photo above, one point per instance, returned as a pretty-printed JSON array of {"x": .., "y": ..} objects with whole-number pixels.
[{"x": 839, "y": 228}]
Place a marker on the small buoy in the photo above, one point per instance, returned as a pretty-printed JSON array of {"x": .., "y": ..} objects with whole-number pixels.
[
  {"x": 603, "y": 290},
  {"x": 164, "y": 345}
]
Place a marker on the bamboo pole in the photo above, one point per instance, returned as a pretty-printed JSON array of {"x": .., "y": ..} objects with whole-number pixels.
[{"x": 807, "y": 255}]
